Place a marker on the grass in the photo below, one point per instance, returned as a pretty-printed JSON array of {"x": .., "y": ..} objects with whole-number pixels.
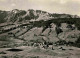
[
  {"x": 9, "y": 42},
  {"x": 32, "y": 57},
  {"x": 19, "y": 56},
  {"x": 42, "y": 52},
  {"x": 2, "y": 52},
  {"x": 4, "y": 38}
]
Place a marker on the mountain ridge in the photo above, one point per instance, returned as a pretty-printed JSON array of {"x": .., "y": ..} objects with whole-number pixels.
[
  {"x": 16, "y": 15},
  {"x": 41, "y": 26}
]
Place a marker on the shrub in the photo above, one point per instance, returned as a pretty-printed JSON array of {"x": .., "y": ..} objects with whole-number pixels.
[{"x": 4, "y": 38}]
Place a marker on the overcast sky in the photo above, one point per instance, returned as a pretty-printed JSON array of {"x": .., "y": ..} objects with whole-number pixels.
[{"x": 52, "y": 6}]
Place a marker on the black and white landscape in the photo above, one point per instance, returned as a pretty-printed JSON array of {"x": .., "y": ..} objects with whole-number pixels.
[{"x": 39, "y": 34}]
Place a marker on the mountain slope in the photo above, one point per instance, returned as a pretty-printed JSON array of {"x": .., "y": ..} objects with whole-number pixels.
[{"x": 41, "y": 26}]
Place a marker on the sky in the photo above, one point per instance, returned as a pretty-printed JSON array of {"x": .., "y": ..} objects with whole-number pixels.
[{"x": 52, "y": 6}]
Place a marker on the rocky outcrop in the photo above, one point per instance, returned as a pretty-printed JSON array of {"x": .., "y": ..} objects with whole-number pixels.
[{"x": 30, "y": 15}]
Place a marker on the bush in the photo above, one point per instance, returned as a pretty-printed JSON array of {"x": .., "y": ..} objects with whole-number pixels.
[
  {"x": 61, "y": 42},
  {"x": 2, "y": 52},
  {"x": 4, "y": 38},
  {"x": 77, "y": 43}
]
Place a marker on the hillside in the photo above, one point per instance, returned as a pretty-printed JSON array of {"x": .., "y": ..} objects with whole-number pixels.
[
  {"x": 39, "y": 34},
  {"x": 39, "y": 26}
]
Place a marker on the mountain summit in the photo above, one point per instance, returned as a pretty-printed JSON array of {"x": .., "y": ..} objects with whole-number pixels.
[{"x": 30, "y": 15}]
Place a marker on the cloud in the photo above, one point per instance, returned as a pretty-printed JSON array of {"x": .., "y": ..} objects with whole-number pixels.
[
  {"x": 3, "y": 0},
  {"x": 52, "y": 6},
  {"x": 63, "y": 1},
  {"x": 13, "y": 4}
]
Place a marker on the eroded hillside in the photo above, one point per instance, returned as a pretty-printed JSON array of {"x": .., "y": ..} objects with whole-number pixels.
[{"x": 40, "y": 26}]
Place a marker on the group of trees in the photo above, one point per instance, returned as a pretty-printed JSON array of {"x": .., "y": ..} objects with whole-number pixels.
[
  {"x": 77, "y": 43},
  {"x": 58, "y": 22},
  {"x": 3, "y": 14},
  {"x": 68, "y": 21}
]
